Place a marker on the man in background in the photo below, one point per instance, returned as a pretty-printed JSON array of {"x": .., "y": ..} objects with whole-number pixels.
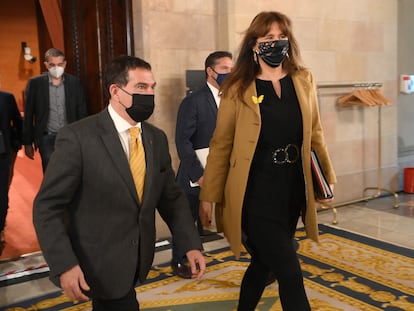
[
  {"x": 196, "y": 121},
  {"x": 52, "y": 100},
  {"x": 10, "y": 143}
]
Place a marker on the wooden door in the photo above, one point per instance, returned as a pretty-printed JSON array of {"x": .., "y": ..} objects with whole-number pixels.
[{"x": 94, "y": 33}]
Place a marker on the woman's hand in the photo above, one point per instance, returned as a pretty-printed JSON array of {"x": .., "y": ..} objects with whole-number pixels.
[
  {"x": 205, "y": 212},
  {"x": 327, "y": 200}
]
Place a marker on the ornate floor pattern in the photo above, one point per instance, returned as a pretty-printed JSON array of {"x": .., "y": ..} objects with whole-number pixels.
[{"x": 345, "y": 271}]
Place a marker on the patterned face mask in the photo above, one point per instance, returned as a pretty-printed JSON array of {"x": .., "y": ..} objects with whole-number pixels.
[{"x": 273, "y": 52}]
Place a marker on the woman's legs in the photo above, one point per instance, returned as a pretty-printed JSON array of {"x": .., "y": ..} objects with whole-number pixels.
[
  {"x": 253, "y": 285},
  {"x": 291, "y": 289},
  {"x": 271, "y": 249}
]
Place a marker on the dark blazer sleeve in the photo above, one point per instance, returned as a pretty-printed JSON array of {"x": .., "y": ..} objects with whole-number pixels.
[
  {"x": 36, "y": 109},
  {"x": 162, "y": 190},
  {"x": 196, "y": 121},
  {"x": 10, "y": 122},
  {"x": 16, "y": 126},
  {"x": 34, "y": 100},
  {"x": 56, "y": 197}
]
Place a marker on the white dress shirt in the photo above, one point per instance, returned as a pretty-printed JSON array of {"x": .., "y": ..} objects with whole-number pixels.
[
  {"x": 122, "y": 127},
  {"x": 215, "y": 93}
]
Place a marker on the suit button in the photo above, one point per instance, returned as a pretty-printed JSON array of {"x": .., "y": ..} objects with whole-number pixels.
[{"x": 134, "y": 242}]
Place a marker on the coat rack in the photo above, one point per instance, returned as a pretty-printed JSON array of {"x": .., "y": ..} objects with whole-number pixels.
[{"x": 379, "y": 189}]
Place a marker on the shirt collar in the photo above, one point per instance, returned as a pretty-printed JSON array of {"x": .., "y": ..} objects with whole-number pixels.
[
  {"x": 50, "y": 79},
  {"x": 121, "y": 124},
  {"x": 213, "y": 89},
  {"x": 215, "y": 92}
]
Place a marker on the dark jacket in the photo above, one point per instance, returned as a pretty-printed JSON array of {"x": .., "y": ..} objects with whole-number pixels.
[
  {"x": 108, "y": 233},
  {"x": 10, "y": 124},
  {"x": 196, "y": 121},
  {"x": 36, "y": 109}
]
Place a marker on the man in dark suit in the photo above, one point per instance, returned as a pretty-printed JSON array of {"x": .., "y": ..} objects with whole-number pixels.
[
  {"x": 96, "y": 233},
  {"x": 196, "y": 121},
  {"x": 52, "y": 100},
  {"x": 10, "y": 143}
]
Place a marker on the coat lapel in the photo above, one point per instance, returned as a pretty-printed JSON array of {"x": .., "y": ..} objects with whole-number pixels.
[
  {"x": 45, "y": 91},
  {"x": 210, "y": 99},
  {"x": 110, "y": 139},
  {"x": 248, "y": 98},
  {"x": 147, "y": 139},
  {"x": 303, "y": 90}
]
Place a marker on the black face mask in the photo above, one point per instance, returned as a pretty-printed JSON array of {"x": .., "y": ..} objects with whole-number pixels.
[
  {"x": 273, "y": 53},
  {"x": 142, "y": 106}
]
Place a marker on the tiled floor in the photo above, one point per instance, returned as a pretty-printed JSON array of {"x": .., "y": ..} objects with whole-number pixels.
[{"x": 375, "y": 218}]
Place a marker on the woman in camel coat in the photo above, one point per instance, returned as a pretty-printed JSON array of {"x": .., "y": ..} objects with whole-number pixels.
[{"x": 258, "y": 169}]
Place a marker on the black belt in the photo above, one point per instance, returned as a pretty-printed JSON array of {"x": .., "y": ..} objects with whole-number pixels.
[{"x": 289, "y": 154}]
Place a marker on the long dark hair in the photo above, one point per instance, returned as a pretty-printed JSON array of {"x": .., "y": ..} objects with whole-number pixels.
[{"x": 246, "y": 68}]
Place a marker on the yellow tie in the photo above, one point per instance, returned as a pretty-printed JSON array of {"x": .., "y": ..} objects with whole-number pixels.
[{"x": 137, "y": 161}]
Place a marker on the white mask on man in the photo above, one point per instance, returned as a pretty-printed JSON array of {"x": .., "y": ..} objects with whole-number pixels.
[{"x": 56, "y": 71}]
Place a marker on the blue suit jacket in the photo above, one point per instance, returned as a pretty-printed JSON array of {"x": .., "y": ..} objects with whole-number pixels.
[{"x": 196, "y": 121}]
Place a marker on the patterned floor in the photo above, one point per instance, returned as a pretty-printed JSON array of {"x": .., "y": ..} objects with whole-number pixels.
[
  {"x": 375, "y": 218},
  {"x": 345, "y": 271}
]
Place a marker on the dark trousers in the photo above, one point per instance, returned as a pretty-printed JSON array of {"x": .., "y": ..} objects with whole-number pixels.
[
  {"x": 291, "y": 289},
  {"x": 13, "y": 156},
  {"x": 46, "y": 148},
  {"x": 127, "y": 303},
  {"x": 290, "y": 280},
  {"x": 194, "y": 202},
  {"x": 4, "y": 188}
]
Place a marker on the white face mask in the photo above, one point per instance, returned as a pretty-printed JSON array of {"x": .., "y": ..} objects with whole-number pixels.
[{"x": 56, "y": 71}]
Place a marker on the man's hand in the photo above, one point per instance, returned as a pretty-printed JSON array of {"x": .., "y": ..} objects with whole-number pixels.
[
  {"x": 205, "y": 212},
  {"x": 197, "y": 263},
  {"x": 29, "y": 151},
  {"x": 73, "y": 282}
]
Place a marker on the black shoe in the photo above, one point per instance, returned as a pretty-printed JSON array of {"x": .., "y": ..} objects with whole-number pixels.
[
  {"x": 181, "y": 270},
  {"x": 271, "y": 277},
  {"x": 205, "y": 233}
]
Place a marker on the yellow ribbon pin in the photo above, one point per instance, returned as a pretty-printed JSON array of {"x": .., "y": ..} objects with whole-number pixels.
[{"x": 257, "y": 100}]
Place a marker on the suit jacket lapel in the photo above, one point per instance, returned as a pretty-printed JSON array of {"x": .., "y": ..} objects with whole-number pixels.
[
  {"x": 45, "y": 91},
  {"x": 148, "y": 141},
  {"x": 115, "y": 151},
  {"x": 302, "y": 88},
  {"x": 210, "y": 99}
]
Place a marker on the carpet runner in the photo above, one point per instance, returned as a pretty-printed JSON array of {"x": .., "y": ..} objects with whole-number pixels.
[{"x": 345, "y": 271}]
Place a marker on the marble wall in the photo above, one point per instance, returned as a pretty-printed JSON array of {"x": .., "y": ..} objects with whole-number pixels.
[{"x": 341, "y": 41}]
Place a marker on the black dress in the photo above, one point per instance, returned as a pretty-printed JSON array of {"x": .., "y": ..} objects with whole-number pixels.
[
  {"x": 275, "y": 192},
  {"x": 274, "y": 197}
]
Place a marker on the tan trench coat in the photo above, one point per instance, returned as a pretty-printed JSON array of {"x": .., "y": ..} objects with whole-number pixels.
[{"x": 233, "y": 145}]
